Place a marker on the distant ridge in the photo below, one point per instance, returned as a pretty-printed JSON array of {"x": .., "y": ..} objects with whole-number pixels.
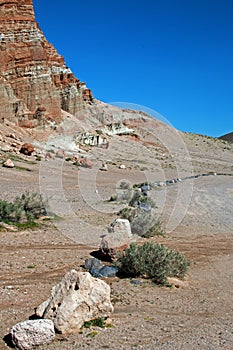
[{"x": 227, "y": 137}]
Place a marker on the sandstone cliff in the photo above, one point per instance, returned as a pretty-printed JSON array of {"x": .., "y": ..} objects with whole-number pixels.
[{"x": 35, "y": 83}]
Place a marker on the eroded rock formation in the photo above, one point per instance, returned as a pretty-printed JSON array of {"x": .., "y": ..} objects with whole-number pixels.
[{"x": 35, "y": 83}]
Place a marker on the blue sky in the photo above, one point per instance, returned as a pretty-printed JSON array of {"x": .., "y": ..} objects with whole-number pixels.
[{"x": 173, "y": 56}]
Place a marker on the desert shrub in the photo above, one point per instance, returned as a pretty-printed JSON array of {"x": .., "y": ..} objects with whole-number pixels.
[
  {"x": 122, "y": 195},
  {"x": 124, "y": 185},
  {"x": 32, "y": 203},
  {"x": 146, "y": 224},
  {"x": 97, "y": 322},
  {"x": 152, "y": 261},
  {"x": 128, "y": 213},
  {"x": 25, "y": 208},
  {"x": 143, "y": 223},
  {"x": 156, "y": 229}
]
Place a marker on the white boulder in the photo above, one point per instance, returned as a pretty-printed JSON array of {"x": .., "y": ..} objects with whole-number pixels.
[
  {"x": 28, "y": 334},
  {"x": 78, "y": 298}
]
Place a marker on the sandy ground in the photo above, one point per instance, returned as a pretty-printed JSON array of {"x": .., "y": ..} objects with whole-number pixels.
[{"x": 197, "y": 214}]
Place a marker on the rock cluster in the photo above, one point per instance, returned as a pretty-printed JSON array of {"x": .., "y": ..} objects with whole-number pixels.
[
  {"x": 78, "y": 298},
  {"x": 35, "y": 83}
]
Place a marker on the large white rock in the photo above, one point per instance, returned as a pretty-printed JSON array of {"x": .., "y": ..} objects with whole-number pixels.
[
  {"x": 28, "y": 334},
  {"x": 78, "y": 298},
  {"x": 119, "y": 233}
]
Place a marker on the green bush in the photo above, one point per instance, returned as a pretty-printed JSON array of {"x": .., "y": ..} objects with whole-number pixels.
[
  {"x": 152, "y": 261},
  {"x": 144, "y": 224},
  {"x": 25, "y": 208}
]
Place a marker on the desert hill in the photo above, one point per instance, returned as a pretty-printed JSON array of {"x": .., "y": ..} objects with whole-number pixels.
[{"x": 227, "y": 137}]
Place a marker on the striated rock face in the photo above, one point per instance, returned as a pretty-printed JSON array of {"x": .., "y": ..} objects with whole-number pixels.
[{"x": 35, "y": 83}]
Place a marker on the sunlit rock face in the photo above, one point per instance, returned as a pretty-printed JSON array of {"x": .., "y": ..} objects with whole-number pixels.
[{"x": 35, "y": 83}]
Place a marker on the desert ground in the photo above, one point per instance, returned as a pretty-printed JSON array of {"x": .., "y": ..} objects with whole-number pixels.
[{"x": 196, "y": 313}]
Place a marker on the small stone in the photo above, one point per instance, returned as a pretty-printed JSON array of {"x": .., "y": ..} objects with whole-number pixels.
[
  {"x": 104, "y": 167},
  {"x": 8, "y": 163},
  {"x": 6, "y": 148},
  {"x": 137, "y": 282},
  {"x": 28, "y": 334},
  {"x": 91, "y": 263},
  {"x": 60, "y": 154},
  {"x": 108, "y": 271}
]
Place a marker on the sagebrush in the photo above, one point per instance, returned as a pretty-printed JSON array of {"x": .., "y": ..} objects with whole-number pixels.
[
  {"x": 152, "y": 261},
  {"x": 25, "y": 208},
  {"x": 139, "y": 210}
]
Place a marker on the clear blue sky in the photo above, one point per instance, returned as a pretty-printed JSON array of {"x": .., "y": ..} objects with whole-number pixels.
[{"x": 173, "y": 56}]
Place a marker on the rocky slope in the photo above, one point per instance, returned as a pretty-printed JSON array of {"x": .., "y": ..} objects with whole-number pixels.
[
  {"x": 227, "y": 137},
  {"x": 35, "y": 83}
]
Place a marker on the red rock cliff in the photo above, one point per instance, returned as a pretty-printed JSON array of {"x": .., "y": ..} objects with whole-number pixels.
[{"x": 34, "y": 80}]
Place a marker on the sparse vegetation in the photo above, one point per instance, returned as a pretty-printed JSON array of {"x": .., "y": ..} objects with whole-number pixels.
[
  {"x": 23, "y": 210},
  {"x": 152, "y": 261},
  {"x": 140, "y": 213},
  {"x": 97, "y": 322}
]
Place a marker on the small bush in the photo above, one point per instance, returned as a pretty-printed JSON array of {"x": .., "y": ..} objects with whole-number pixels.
[
  {"x": 24, "y": 209},
  {"x": 124, "y": 185},
  {"x": 152, "y": 261},
  {"x": 97, "y": 322},
  {"x": 143, "y": 223}
]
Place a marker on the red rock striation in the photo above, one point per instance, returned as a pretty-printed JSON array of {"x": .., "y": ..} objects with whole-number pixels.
[{"x": 35, "y": 83}]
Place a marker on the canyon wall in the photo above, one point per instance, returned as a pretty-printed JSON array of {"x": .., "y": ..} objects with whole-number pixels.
[{"x": 35, "y": 83}]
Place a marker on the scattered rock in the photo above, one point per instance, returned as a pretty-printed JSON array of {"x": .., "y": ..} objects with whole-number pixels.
[
  {"x": 91, "y": 263},
  {"x": 78, "y": 298},
  {"x": 6, "y": 148},
  {"x": 49, "y": 156},
  {"x": 14, "y": 144},
  {"x": 86, "y": 163},
  {"x": 137, "y": 282},
  {"x": 122, "y": 166},
  {"x": 27, "y": 149},
  {"x": 60, "y": 154},
  {"x": 11, "y": 228},
  {"x": 28, "y": 334},
  {"x": 107, "y": 271},
  {"x": 104, "y": 167},
  {"x": 8, "y": 163},
  {"x": 12, "y": 136},
  {"x": 121, "y": 229},
  {"x": 96, "y": 268}
]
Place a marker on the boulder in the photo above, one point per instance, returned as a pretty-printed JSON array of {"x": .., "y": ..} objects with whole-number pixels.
[
  {"x": 92, "y": 263},
  {"x": 97, "y": 269},
  {"x": 60, "y": 154},
  {"x": 27, "y": 149},
  {"x": 105, "y": 271},
  {"x": 119, "y": 232},
  {"x": 118, "y": 238},
  {"x": 8, "y": 163},
  {"x": 85, "y": 163},
  {"x": 78, "y": 298},
  {"x": 28, "y": 334}
]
